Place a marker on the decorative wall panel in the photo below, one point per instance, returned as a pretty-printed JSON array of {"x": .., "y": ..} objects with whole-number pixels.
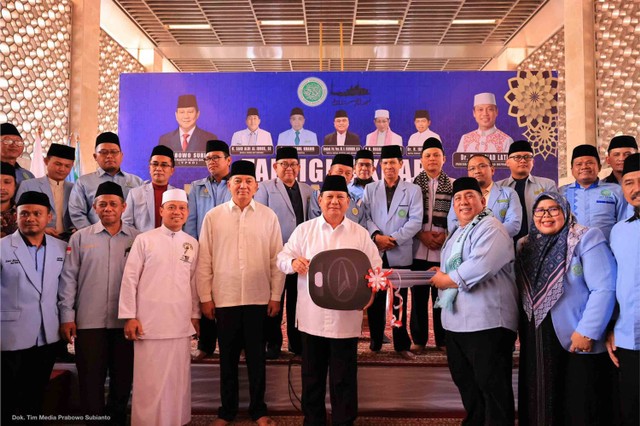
[
  {"x": 35, "y": 45},
  {"x": 114, "y": 60}
]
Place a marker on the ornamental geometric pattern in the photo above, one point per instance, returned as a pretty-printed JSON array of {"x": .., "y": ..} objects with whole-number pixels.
[
  {"x": 533, "y": 102},
  {"x": 114, "y": 60},
  {"x": 35, "y": 45}
]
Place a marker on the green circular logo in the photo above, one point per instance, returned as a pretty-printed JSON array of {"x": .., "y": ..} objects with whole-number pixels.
[
  {"x": 402, "y": 213},
  {"x": 503, "y": 213},
  {"x": 605, "y": 192},
  {"x": 312, "y": 91},
  {"x": 577, "y": 269}
]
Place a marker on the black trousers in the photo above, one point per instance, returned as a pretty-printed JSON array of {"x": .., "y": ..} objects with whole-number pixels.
[
  {"x": 241, "y": 327},
  {"x": 419, "y": 324},
  {"x": 273, "y": 329},
  {"x": 629, "y": 383},
  {"x": 208, "y": 335},
  {"x": 339, "y": 357},
  {"x": 377, "y": 316},
  {"x": 25, "y": 375},
  {"x": 100, "y": 351},
  {"x": 481, "y": 366}
]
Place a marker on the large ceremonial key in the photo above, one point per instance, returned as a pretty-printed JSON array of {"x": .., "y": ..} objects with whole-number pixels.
[{"x": 337, "y": 279}]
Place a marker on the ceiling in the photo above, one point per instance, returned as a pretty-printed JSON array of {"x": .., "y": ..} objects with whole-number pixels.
[{"x": 425, "y": 38}]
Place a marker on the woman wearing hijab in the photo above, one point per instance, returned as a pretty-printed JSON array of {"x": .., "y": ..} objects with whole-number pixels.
[{"x": 566, "y": 276}]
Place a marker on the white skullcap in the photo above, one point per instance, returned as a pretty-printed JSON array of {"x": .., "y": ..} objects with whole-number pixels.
[
  {"x": 381, "y": 113},
  {"x": 484, "y": 99},
  {"x": 174, "y": 195}
]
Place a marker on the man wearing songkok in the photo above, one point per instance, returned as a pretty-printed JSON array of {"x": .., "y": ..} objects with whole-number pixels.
[
  {"x": 290, "y": 200},
  {"x": 9, "y": 215},
  {"x": 31, "y": 266},
  {"x": 205, "y": 194},
  {"x": 487, "y": 138},
  {"x": 363, "y": 173},
  {"x": 394, "y": 216},
  {"x": 342, "y": 136},
  {"x": 143, "y": 202},
  {"x": 526, "y": 185},
  {"x": 341, "y": 165},
  {"x": 383, "y": 135},
  {"x": 479, "y": 301},
  {"x": 330, "y": 337},
  {"x": 88, "y": 299},
  {"x": 253, "y": 134},
  {"x": 11, "y": 149},
  {"x": 436, "y": 189},
  {"x": 619, "y": 148},
  {"x": 109, "y": 157},
  {"x": 596, "y": 204},
  {"x": 297, "y": 135},
  {"x": 623, "y": 343},
  {"x": 159, "y": 301},
  {"x": 501, "y": 200},
  {"x": 239, "y": 282},
  {"x": 59, "y": 162},
  {"x": 187, "y": 137},
  {"x": 422, "y": 121}
]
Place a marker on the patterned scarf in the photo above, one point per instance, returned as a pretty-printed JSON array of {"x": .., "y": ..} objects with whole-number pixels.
[
  {"x": 443, "y": 198},
  {"x": 543, "y": 260},
  {"x": 448, "y": 295}
]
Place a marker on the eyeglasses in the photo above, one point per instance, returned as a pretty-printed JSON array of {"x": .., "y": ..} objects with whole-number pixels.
[
  {"x": 155, "y": 164},
  {"x": 519, "y": 158},
  {"x": 107, "y": 152},
  {"x": 553, "y": 212},
  {"x": 12, "y": 142},
  {"x": 214, "y": 158},
  {"x": 286, "y": 165},
  {"x": 479, "y": 167}
]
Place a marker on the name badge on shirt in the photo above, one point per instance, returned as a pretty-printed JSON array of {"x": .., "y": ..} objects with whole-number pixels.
[{"x": 187, "y": 256}]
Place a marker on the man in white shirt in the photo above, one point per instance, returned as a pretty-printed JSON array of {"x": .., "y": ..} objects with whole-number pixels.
[
  {"x": 422, "y": 121},
  {"x": 253, "y": 135},
  {"x": 487, "y": 138},
  {"x": 329, "y": 337},
  {"x": 383, "y": 135},
  {"x": 239, "y": 282}
]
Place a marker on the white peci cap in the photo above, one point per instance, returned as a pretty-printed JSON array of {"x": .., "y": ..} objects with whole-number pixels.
[
  {"x": 174, "y": 195},
  {"x": 484, "y": 99},
  {"x": 381, "y": 113}
]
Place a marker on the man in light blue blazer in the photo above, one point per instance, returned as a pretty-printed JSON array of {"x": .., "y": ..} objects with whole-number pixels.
[
  {"x": 30, "y": 270},
  {"x": 204, "y": 195},
  {"x": 394, "y": 210},
  {"x": 297, "y": 135},
  {"x": 143, "y": 202},
  {"x": 341, "y": 165},
  {"x": 501, "y": 200},
  {"x": 59, "y": 162},
  {"x": 289, "y": 199}
]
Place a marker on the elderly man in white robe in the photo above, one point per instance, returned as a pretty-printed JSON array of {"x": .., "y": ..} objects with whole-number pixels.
[{"x": 158, "y": 299}]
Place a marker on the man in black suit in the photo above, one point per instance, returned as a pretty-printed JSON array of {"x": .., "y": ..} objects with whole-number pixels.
[
  {"x": 187, "y": 137},
  {"x": 341, "y": 136}
]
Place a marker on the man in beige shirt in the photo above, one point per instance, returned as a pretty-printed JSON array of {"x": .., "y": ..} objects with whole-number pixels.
[{"x": 240, "y": 284}]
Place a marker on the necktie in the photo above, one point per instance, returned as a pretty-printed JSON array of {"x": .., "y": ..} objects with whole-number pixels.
[
  {"x": 297, "y": 139},
  {"x": 184, "y": 141}
]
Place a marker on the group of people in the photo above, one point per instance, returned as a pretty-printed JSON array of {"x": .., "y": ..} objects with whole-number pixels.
[
  {"x": 129, "y": 269},
  {"x": 188, "y": 137}
]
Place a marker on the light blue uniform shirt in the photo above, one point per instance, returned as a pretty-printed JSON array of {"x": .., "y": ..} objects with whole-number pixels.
[
  {"x": 205, "y": 194},
  {"x": 505, "y": 206},
  {"x": 357, "y": 192},
  {"x": 488, "y": 295},
  {"x": 625, "y": 244},
  {"x": 307, "y": 137},
  {"x": 84, "y": 191},
  {"x": 355, "y": 211},
  {"x": 601, "y": 205},
  {"x": 89, "y": 290}
]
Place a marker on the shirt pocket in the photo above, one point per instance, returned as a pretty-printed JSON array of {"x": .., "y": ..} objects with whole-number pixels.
[{"x": 10, "y": 315}]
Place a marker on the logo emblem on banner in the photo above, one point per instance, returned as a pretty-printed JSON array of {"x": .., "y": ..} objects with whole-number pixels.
[{"x": 312, "y": 91}]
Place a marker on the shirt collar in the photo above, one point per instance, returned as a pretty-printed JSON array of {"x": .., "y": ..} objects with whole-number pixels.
[
  {"x": 98, "y": 227},
  {"x": 101, "y": 172},
  {"x": 168, "y": 231},
  {"x": 325, "y": 223},
  {"x": 593, "y": 185},
  {"x": 487, "y": 132},
  {"x": 231, "y": 205},
  {"x": 54, "y": 182},
  {"x": 28, "y": 243},
  {"x": 190, "y": 132}
]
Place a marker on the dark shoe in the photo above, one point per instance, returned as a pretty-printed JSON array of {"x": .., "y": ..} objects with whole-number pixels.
[
  {"x": 198, "y": 355},
  {"x": 417, "y": 349},
  {"x": 272, "y": 353}
]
